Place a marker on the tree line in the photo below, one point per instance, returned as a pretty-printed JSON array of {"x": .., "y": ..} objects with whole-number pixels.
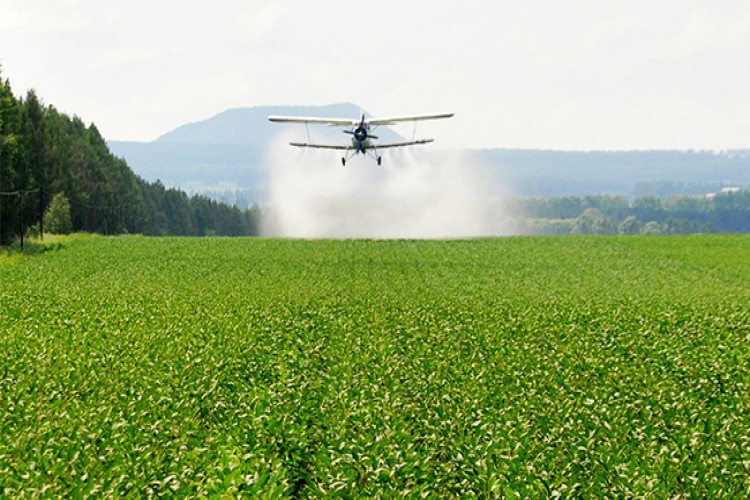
[
  {"x": 727, "y": 212},
  {"x": 44, "y": 153}
]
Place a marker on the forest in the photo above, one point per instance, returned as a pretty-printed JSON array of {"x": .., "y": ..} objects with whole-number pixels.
[
  {"x": 44, "y": 153},
  {"x": 724, "y": 212}
]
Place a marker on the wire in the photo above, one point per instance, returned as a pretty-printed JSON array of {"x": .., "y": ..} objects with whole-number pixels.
[{"x": 19, "y": 192}]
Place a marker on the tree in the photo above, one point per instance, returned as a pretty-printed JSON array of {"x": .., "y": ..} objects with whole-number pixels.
[
  {"x": 7, "y": 153},
  {"x": 651, "y": 227},
  {"x": 631, "y": 225},
  {"x": 648, "y": 208},
  {"x": 591, "y": 221},
  {"x": 57, "y": 217}
]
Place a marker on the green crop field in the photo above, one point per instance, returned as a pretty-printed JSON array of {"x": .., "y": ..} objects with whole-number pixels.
[{"x": 592, "y": 366}]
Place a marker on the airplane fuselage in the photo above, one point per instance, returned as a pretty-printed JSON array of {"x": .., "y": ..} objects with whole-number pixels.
[
  {"x": 361, "y": 137},
  {"x": 361, "y": 140},
  {"x": 361, "y": 146}
]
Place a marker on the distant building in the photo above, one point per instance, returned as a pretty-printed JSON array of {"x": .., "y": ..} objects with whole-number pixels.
[{"x": 726, "y": 190}]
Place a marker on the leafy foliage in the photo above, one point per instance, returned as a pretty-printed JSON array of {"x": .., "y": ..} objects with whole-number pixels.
[
  {"x": 727, "y": 212},
  {"x": 576, "y": 366},
  {"x": 57, "y": 217}
]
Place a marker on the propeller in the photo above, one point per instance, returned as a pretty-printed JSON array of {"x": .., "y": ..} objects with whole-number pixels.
[{"x": 360, "y": 133}]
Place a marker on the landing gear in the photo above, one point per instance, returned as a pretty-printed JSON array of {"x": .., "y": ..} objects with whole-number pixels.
[
  {"x": 372, "y": 152},
  {"x": 369, "y": 151},
  {"x": 348, "y": 155}
]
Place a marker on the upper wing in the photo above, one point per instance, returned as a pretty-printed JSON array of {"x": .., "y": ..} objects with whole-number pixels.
[
  {"x": 346, "y": 122},
  {"x": 400, "y": 144},
  {"x": 319, "y": 146},
  {"x": 398, "y": 119},
  {"x": 373, "y": 146}
]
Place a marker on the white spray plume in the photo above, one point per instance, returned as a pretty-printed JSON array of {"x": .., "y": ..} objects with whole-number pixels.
[{"x": 414, "y": 194}]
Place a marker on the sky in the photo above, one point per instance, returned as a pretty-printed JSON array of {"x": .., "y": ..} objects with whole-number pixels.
[{"x": 565, "y": 75}]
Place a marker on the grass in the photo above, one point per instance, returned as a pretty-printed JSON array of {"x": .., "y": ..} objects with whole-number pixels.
[
  {"x": 522, "y": 366},
  {"x": 33, "y": 246}
]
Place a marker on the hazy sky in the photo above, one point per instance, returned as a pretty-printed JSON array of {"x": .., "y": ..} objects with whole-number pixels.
[{"x": 577, "y": 74}]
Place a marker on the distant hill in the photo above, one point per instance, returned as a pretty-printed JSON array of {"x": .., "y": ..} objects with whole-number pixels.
[
  {"x": 250, "y": 126},
  {"x": 542, "y": 173},
  {"x": 229, "y": 148},
  {"x": 227, "y": 152}
]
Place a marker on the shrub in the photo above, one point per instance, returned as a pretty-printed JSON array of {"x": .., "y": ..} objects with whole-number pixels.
[{"x": 57, "y": 217}]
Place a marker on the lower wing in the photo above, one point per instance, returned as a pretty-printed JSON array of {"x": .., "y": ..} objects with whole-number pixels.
[
  {"x": 401, "y": 144},
  {"x": 320, "y": 146},
  {"x": 371, "y": 146}
]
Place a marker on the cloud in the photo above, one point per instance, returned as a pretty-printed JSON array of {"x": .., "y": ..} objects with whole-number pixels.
[
  {"x": 574, "y": 75},
  {"x": 705, "y": 31},
  {"x": 261, "y": 21},
  {"x": 124, "y": 57},
  {"x": 34, "y": 18}
]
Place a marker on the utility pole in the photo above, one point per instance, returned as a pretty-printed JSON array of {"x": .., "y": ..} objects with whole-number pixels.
[
  {"x": 41, "y": 214},
  {"x": 21, "y": 193},
  {"x": 1, "y": 188}
]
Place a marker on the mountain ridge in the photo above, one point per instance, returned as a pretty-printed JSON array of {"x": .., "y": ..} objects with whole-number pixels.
[{"x": 242, "y": 125}]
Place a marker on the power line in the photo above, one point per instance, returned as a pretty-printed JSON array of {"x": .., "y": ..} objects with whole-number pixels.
[{"x": 19, "y": 192}]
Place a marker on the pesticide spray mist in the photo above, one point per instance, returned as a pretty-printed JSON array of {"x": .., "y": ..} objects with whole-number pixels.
[{"x": 414, "y": 194}]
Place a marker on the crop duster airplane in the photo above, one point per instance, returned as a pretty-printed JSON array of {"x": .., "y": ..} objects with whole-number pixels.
[{"x": 360, "y": 130}]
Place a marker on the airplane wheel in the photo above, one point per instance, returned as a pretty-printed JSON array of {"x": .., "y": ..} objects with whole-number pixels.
[
  {"x": 380, "y": 158},
  {"x": 343, "y": 161}
]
